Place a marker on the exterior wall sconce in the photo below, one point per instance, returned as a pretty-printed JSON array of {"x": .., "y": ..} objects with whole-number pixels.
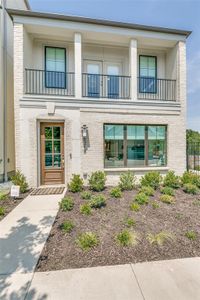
[{"x": 85, "y": 137}]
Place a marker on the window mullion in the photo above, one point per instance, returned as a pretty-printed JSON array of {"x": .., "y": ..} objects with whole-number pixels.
[{"x": 146, "y": 146}]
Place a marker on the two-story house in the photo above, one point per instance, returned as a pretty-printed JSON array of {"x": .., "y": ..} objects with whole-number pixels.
[{"x": 97, "y": 95}]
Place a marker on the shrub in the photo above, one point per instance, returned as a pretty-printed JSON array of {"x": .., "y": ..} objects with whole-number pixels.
[
  {"x": 167, "y": 191},
  {"x": 141, "y": 198},
  {"x": 171, "y": 180},
  {"x": 67, "y": 203},
  {"x": 159, "y": 238},
  {"x": 67, "y": 226},
  {"x": 135, "y": 206},
  {"x": 190, "y": 177},
  {"x": 147, "y": 190},
  {"x": 86, "y": 195},
  {"x": 85, "y": 209},
  {"x": 167, "y": 199},
  {"x": 127, "y": 181},
  {"x": 2, "y": 211},
  {"x": 3, "y": 195},
  {"x": 87, "y": 240},
  {"x": 97, "y": 181},
  {"x": 98, "y": 201},
  {"x": 76, "y": 184},
  {"x": 190, "y": 188},
  {"x": 191, "y": 235},
  {"x": 152, "y": 179},
  {"x": 116, "y": 192},
  {"x": 126, "y": 238},
  {"x": 20, "y": 179},
  {"x": 129, "y": 222},
  {"x": 155, "y": 204}
]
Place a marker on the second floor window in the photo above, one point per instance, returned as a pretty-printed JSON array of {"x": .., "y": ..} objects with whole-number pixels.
[
  {"x": 147, "y": 74},
  {"x": 55, "y": 67}
]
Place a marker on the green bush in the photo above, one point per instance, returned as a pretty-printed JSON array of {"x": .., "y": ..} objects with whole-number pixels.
[
  {"x": 97, "y": 201},
  {"x": 190, "y": 177},
  {"x": 190, "y": 188},
  {"x": 97, "y": 181},
  {"x": 155, "y": 204},
  {"x": 85, "y": 209},
  {"x": 116, "y": 192},
  {"x": 159, "y": 238},
  {"x": 67, "y": 226},
  {"x": 76, "y": 184},
  {"x": 2, "y": 211},
  {"x": 167, "y": 191},
  {"x": 126, "y": 238},
  {"x": 129, "y": 222},
  {"x": 167, "y": 199},
  {"x": 86, "y": 195},
  {"x": 3, "y": 195},
  {"x": 141, "y": 198},
  {"x": 20, "y": 179},
  {"x": 127, "y": 181},
  {"x": 135, "y": 206},
  {"x": 152, "y": 179},
  {"x": 87, "y": 240},
  {"x": 191, "y": 235},
  {"x": 67, "y": 203},
  {"x": 147, "y": 190},
  {"x": 171, "y": 180}
]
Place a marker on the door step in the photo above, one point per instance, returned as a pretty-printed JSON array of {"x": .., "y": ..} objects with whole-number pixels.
[{"x": 47, "y": 191}]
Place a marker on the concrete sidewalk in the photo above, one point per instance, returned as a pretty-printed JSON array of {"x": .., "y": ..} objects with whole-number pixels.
[{"x": 23, "y": 233}]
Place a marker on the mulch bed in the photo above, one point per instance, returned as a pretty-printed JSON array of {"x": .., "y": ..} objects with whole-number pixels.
[
  {"x": 62, "y": 252},
  {"x": 9, "y": 203}
]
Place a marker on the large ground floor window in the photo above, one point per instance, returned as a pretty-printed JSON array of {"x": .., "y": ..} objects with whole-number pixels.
[{"x": 135, "y": 145}]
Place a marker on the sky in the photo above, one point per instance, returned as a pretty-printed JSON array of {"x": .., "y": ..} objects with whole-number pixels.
[{"x": 180, "y": 14}]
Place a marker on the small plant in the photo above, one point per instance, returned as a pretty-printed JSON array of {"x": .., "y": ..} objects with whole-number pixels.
[
  {"x": 97, "y": 201},
  {"x": 126, "y": 238},
  {"x": 147, "y": 190},
  {"x": 155, "y": 204},
  {"x": 66, "y": 203},
  {"x": 85, "y": 209},
  {"x": 190, "y": 177},
  {"x": 87, "y": 240},
  {"x": 152, "y": 179},
  {"x": 179, "y": 216},
  {"x": 67, "y": 226},
  {"x": 171, "y": 180},
  {"x": 191, "y": 235},
  {"x": 76, "y": 184},
  {"x": 86, "y": 195},
  {"x": 129, "y": 222},
  {"x": 159, "y": 238},
  {"x": 20, "y": 179},
  {"x": 127, "y": 181},
  {"x": 141, "y": 198},
  {"x": 116, "y": 192},
  {"x": 3, "y": 195},
  {"x": 135, "y": 206},
  {"x": 167, "y": 199},
  {"x": 2, "y": 211},
  {"x": 196, "y": 202},
  {"x": 167, "y": 191},
  {"x": 97, "y": 181},
  {"x": 190, "y": 188}
]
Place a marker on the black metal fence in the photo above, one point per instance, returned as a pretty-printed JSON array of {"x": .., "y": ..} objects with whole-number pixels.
[
  {"x": 150, "y": 88},
  {"x": 193, "y": 156},
  {"x": 40, "y": 82},
  {"x": 105, "y": 86}
]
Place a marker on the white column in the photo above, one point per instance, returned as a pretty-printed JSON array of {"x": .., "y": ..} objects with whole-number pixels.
[
  {"x": 78, "y": 65},
  {"x": 133, "y": 68}
]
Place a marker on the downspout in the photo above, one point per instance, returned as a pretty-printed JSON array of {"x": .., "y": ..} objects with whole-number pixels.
[{"x": 5, "y": 175}]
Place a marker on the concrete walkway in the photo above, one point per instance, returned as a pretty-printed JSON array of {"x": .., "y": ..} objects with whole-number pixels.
[{"x": 23, "y": 233}]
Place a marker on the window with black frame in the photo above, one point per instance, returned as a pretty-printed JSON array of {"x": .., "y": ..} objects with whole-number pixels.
[
  {"x": 147, "y": 74},
  {"x": 55, "y": 67}
]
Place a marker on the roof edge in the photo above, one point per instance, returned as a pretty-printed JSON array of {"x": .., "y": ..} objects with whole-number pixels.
[
  {"x": 104, "y": 22},
  {"x": 27, "y": 4}
]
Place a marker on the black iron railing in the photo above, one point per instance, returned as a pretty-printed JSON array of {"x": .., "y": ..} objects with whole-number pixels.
[
  {"x": 150, "y": 88},
  {"x": 105, "y": 86},
  {"x": 193, "y": 156},
  {"x": 41, "y": 82}
]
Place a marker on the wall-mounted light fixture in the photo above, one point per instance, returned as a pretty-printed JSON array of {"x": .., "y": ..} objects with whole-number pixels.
[{"x": 85, "y": 136}]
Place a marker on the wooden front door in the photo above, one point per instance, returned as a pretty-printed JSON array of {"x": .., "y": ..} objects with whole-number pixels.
[{"x": 52, "y": 153}]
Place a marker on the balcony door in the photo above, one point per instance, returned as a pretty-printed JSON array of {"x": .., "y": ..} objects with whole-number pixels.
[
  {"x": 94, "y": 78},
  {"x": 113, "y": 71}
]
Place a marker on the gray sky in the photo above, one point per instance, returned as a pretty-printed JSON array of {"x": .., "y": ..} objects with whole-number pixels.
[{"x": 182, "y": 14}]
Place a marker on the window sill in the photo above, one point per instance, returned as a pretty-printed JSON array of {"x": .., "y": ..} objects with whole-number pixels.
[{"x": 136, "y": 169}]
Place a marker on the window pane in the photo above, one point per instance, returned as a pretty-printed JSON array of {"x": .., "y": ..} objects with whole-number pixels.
[
  {"x": 57, "y": 160},
  {"x": 156, "y": 145},
  {"x": 114, "y": 144},
  {"x": 151, "y": 63},
  {"x": 56, "y": 132},
  {"x": 56, "y": 146},
  {"x": 48, "y": 146},
  {"x": 48, "y": 160},
  {"x": 48, "y": 133},
  {"x": 143, "y": 62},
  {"x": 135, "y": 146}
]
